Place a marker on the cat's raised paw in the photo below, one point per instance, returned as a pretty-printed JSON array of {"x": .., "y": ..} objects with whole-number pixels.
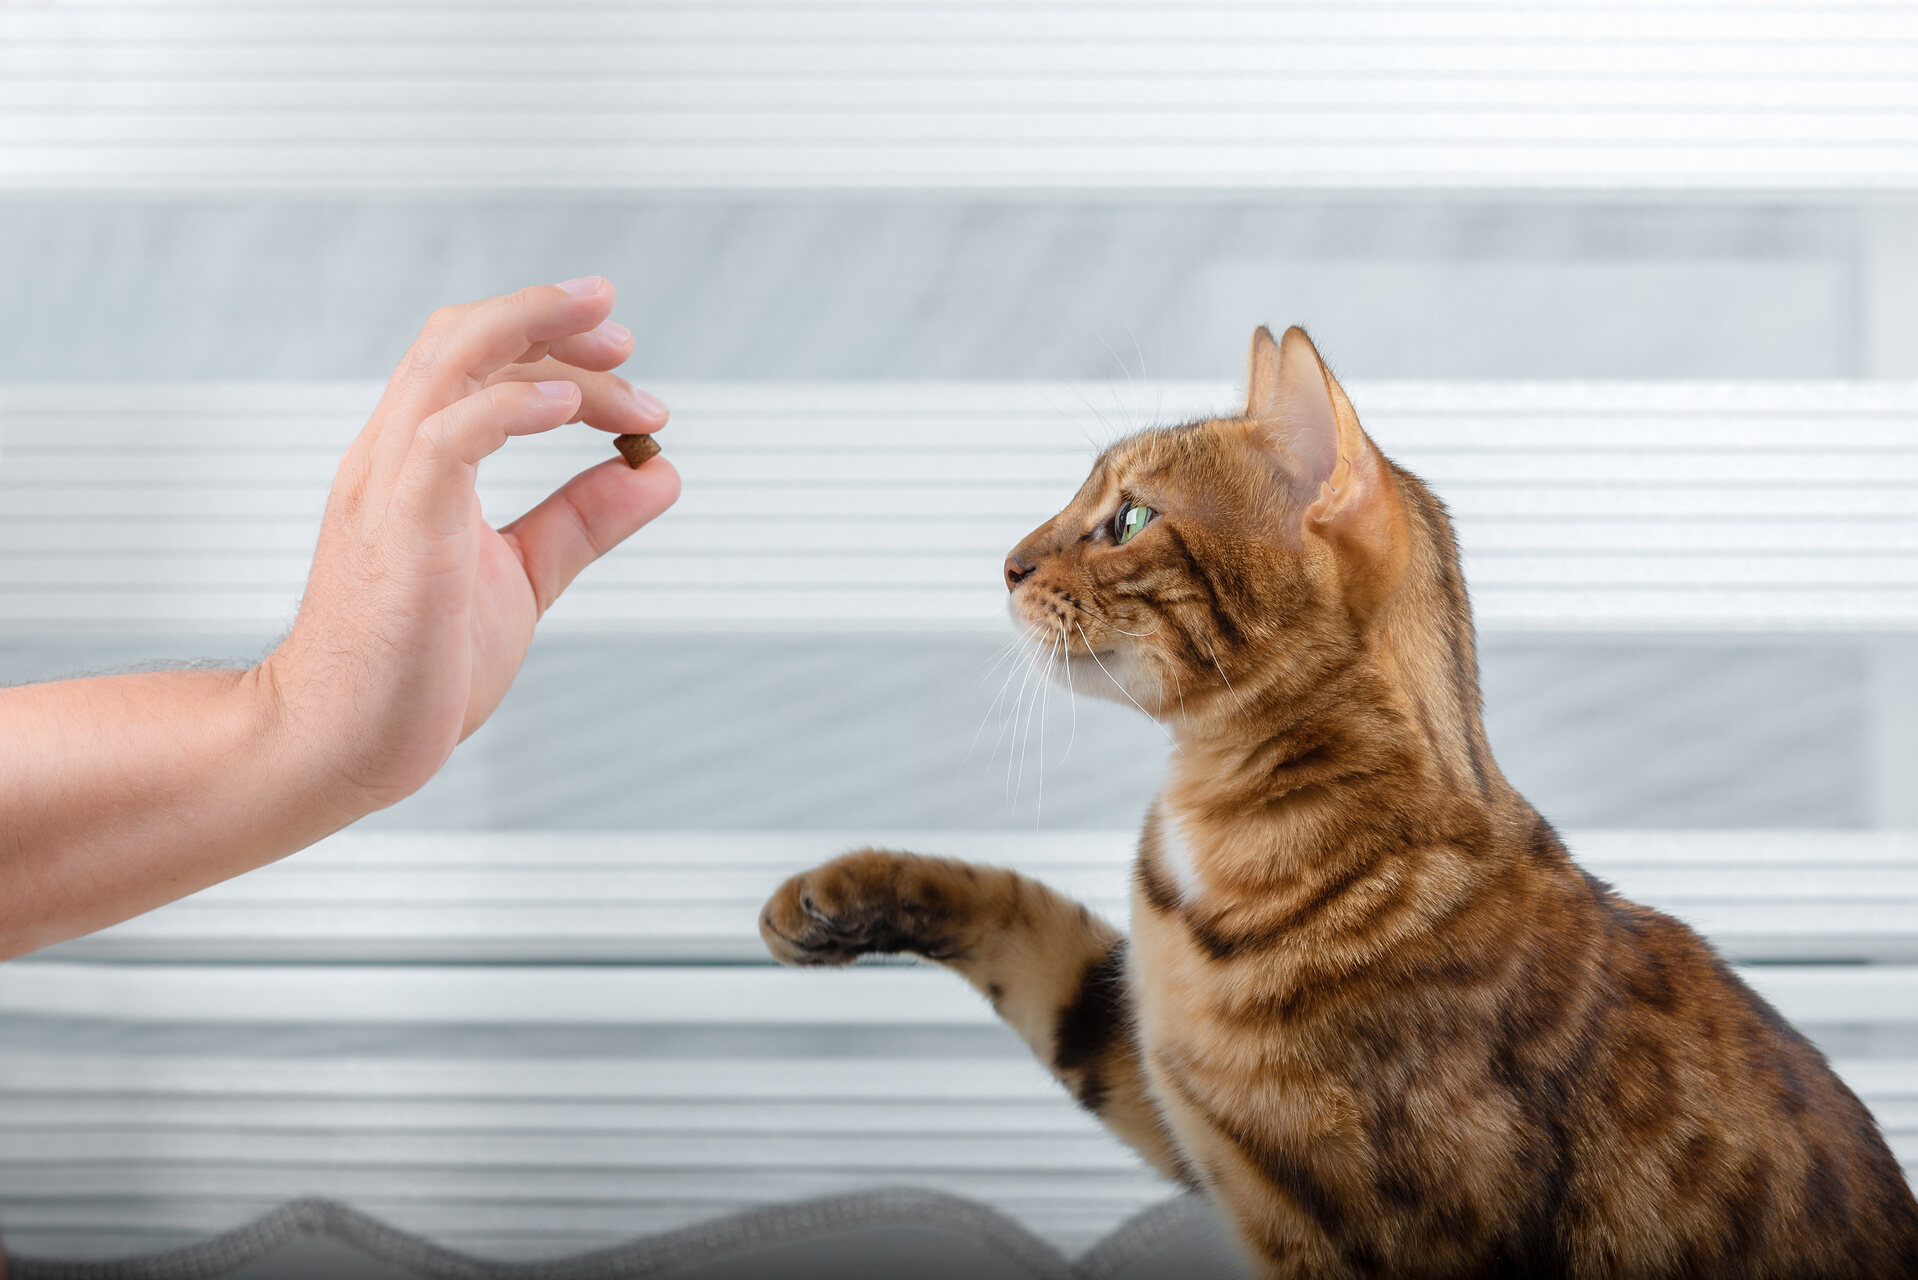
[{"x": 867, "y": 902}]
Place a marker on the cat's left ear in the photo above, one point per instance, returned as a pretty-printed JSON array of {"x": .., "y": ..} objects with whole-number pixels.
[{"x": 1338, "y": 477}]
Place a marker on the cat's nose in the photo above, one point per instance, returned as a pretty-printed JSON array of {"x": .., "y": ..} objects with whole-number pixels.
[{"x": 1017, "y": 571}]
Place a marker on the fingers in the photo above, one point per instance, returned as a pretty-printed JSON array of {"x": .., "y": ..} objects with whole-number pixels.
[
  {"x": 462, "y": 346},
  {"x": 434, "y": 493},
  {"x": 480, "y": 339},
  {"x": 588, "y": 516},
  {"x": 607, "y": 401},
  {"x": 606, "y": 347}
]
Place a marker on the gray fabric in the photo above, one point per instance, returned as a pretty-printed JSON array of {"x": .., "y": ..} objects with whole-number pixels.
[
  {"x": 1182, "y": 1239},
  {"x": 877, "y": 1234}
]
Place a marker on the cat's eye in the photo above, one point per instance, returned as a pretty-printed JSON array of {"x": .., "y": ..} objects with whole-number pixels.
[{"x": 1130, "y": 520}]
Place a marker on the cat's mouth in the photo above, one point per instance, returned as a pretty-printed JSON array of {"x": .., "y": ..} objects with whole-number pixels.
[
  {"x": 1059, "y": 631},
  {"x": 1078, "y": 629},
  {"x": 1051, "y": 618}
]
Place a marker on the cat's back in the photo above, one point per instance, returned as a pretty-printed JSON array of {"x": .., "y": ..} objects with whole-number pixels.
[{"x": 1686, "y": 1127}]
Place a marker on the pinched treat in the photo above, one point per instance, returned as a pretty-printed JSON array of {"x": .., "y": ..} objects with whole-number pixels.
[{"x": 636, "y": 448}]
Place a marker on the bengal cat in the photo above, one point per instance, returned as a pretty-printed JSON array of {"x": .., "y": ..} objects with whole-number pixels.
[{"x": 1369, "y": 1005}]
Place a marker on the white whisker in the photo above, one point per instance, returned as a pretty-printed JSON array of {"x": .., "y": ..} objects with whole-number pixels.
[
  {"x": 1012, "y": 650},
  {"x": 1045, "y": 709},
  {"x": 1228, "y": 679},
  {"x": 1123, "y": 368},
  {"x": 1136, "y": 349},
  {"x": 1158, "y": 392},
  {"x": 1072, "y": 694},
  {"x": 1092, "y": 445},
  {"x": 1137, "y": 635},
  {"x": 1115, "y": 434},
  {"x": 1122, "y": 689},
  {"x": 1007, "y": 718},
  {"x": 993, "y": 663},
  {"x": 1018, "y": 705},
  {"x": 1022, "y": 733},
  {"x": 1132, "y": 388}
]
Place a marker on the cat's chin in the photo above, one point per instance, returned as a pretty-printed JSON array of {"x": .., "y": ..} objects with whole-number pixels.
[{"x": 1112, "y": 676}]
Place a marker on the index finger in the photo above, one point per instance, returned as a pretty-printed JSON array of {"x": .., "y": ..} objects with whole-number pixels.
[{"x": 460, "y": 347}]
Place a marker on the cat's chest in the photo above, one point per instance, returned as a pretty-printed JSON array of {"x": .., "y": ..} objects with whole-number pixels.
[
  {"x": 1171, "y": 974},
  {"x": 1178, "y": 858},
  {"x": 1203, "y": 940},
  {"x": 1180, "y": 855}
]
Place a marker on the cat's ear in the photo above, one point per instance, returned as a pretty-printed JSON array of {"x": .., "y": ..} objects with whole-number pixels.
[
  {"x": 1339, "y": 479},
  {"x": 1286, "y": 394}
]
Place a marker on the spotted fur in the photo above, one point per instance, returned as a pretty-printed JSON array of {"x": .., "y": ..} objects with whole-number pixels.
[{"x": 1369, "y": 1005}]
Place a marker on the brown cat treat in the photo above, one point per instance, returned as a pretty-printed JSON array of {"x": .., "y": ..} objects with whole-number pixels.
[
  {"x": 1370, "y": 1006},
  {"x": 636, "y": 448}
]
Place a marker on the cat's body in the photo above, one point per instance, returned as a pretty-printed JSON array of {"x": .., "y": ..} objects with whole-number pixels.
[{"x": 1369, "y": 1005}]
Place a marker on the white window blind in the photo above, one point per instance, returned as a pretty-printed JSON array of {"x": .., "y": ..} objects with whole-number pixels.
[{"x": 1641, "y": 95}]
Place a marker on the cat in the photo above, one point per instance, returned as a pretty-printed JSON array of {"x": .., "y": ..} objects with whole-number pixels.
[{"x": 1369, "y": 1005}]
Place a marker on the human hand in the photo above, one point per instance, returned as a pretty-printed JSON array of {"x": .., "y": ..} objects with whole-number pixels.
[{"x": 418, "y": 614}]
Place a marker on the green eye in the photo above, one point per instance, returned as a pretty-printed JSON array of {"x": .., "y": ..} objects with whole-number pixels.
[{"x": 1129, "y": 521}]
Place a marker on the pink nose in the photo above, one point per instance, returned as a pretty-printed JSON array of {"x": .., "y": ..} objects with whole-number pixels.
[{"x": 1017, "y": 571}]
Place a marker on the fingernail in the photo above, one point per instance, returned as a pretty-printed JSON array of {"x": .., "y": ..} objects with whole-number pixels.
[
  {"x": 615, "y": 332},
  {"x": 649, "y": 404},
  {"x": 559, "y": 389},
  {"x": 584, "y": 284}
]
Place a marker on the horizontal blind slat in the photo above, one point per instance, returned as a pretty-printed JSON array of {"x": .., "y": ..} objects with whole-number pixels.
[
  {"x": 1703, "y": 506},
  {"x": 901, "y": 95}
]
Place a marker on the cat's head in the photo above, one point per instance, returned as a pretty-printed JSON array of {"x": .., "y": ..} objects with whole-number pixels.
[{"x": 1243, "y": 551}]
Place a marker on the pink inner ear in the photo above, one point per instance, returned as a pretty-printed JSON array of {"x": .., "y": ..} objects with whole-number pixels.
[
  {"x": 1294, "y": 409},
  {"x": 1309, "y": 427}
]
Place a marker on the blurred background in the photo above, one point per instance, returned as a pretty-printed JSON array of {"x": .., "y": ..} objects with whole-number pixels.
[{"x": 1635, "y": 285}]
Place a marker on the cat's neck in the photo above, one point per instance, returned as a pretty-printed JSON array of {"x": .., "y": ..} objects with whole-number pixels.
[
  {"x": 1395, "y": 726},
  {"x": 1297, "y": 797},
  {"x": 1260, "y": 753}
]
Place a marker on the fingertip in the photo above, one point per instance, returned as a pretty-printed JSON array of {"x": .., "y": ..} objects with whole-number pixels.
[
  {"x": 602, "y": 348},
  {"x": 643, "y": 494},
  {"x": 588, "y": 300},
  {"x": 668, "y": 482},
  {"x": 651, "y": 408},
  {"x": 653, "y": 486},
  {"x": 607, "y": 346}
]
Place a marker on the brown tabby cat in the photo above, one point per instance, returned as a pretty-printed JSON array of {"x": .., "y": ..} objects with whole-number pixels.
[{"x": 1369, "y": 1006}]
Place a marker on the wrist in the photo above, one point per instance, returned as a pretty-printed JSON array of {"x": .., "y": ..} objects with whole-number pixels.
[{"x": 303, "y": 748}]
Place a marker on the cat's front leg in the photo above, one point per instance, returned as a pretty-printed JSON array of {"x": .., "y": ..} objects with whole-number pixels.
[{"x": 1053, "y": 970}]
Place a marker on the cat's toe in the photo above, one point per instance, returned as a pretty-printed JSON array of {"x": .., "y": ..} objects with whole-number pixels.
[
  {"x": 836, "y": 913},
  {"x": 799, "y": 930}
]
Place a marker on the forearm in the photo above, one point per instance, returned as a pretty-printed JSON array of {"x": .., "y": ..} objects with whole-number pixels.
[{"x": 120, "y": 793}]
